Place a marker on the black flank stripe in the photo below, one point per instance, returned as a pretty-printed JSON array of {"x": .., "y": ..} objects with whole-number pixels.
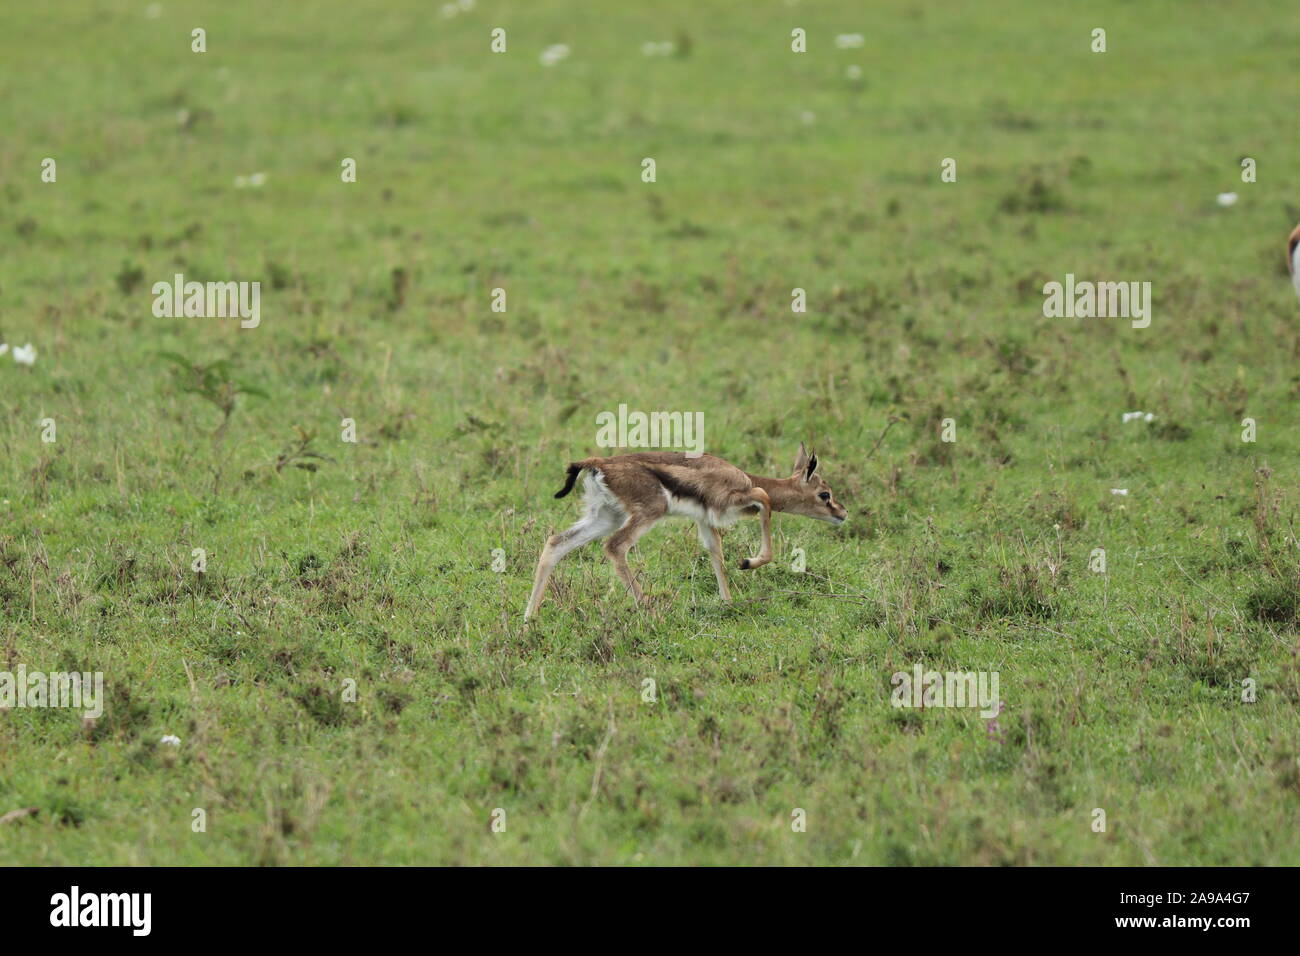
[{"x": 675, "y": 487}]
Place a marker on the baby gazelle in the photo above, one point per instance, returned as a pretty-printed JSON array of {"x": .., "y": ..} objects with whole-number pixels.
[{"x": 627, "y": 494}]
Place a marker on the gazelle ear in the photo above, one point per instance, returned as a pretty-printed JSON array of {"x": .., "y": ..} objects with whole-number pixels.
[
  {"x": 811, "y": 468},
  {"x": 801, "y": 462}
]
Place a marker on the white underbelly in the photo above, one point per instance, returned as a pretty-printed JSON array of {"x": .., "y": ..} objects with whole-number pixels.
[{"x": 697, "y": 512}]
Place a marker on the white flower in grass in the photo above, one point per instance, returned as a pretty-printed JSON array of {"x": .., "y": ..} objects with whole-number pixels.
[
  {"x": 1138, "y": 417},
  {"x": 554, "y": 54},
  {"x": 4, "y": 347},
  {"x": 1119, "y": 491},
  {"x": 171, "y": 740},
  {"x": 1226, "y": 199},
  {"x": 849, "y": 41},
  {"x": 25, "y": 355},
  {"x": 257, "y": 179}
]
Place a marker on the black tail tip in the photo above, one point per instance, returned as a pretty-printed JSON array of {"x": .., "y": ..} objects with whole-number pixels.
[
  {"x": 744, "y": 565},
  {"x": 569, "y": 481}
]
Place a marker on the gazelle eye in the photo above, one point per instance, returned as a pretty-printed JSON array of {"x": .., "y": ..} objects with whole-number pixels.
[{"x": 825, "y": 496}]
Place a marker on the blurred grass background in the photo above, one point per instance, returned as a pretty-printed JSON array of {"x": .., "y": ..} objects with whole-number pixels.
[{"x": 775, "y": 171}]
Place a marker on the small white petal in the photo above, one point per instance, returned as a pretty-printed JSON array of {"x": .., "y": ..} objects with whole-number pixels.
[
  {"x": 554, "y": 54},
  {"x": 1227, "y": 199}
]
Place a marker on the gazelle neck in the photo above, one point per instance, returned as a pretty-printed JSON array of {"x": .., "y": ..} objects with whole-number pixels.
[{"x": 779, "y": 490}]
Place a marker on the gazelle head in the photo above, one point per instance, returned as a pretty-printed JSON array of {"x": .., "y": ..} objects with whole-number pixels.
[
  {"x": 811, "y": 496},
  {"x": 1293, "y": 258}
]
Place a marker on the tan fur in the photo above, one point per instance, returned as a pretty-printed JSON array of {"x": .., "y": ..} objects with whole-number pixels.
[{"x": 628, "y": 494}]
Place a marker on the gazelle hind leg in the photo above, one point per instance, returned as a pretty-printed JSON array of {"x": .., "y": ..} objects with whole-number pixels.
[
  {"x": 759, "y": 497},
  {"x": 595, "y": 524},
  {"x": 711, "y": 538},
  {"x": 618, "y": 545}
]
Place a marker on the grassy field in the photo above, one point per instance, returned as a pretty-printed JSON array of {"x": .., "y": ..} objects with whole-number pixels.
[{"x": 330, "y": 562}]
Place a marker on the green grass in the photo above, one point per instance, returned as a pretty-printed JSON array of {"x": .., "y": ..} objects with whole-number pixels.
[{"x": 775, "y": 171}]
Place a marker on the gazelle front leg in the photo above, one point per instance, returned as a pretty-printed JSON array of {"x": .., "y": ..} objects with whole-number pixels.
[
  {"x": 711, "y": 538},
  {"x": 759, "y": 497}
]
